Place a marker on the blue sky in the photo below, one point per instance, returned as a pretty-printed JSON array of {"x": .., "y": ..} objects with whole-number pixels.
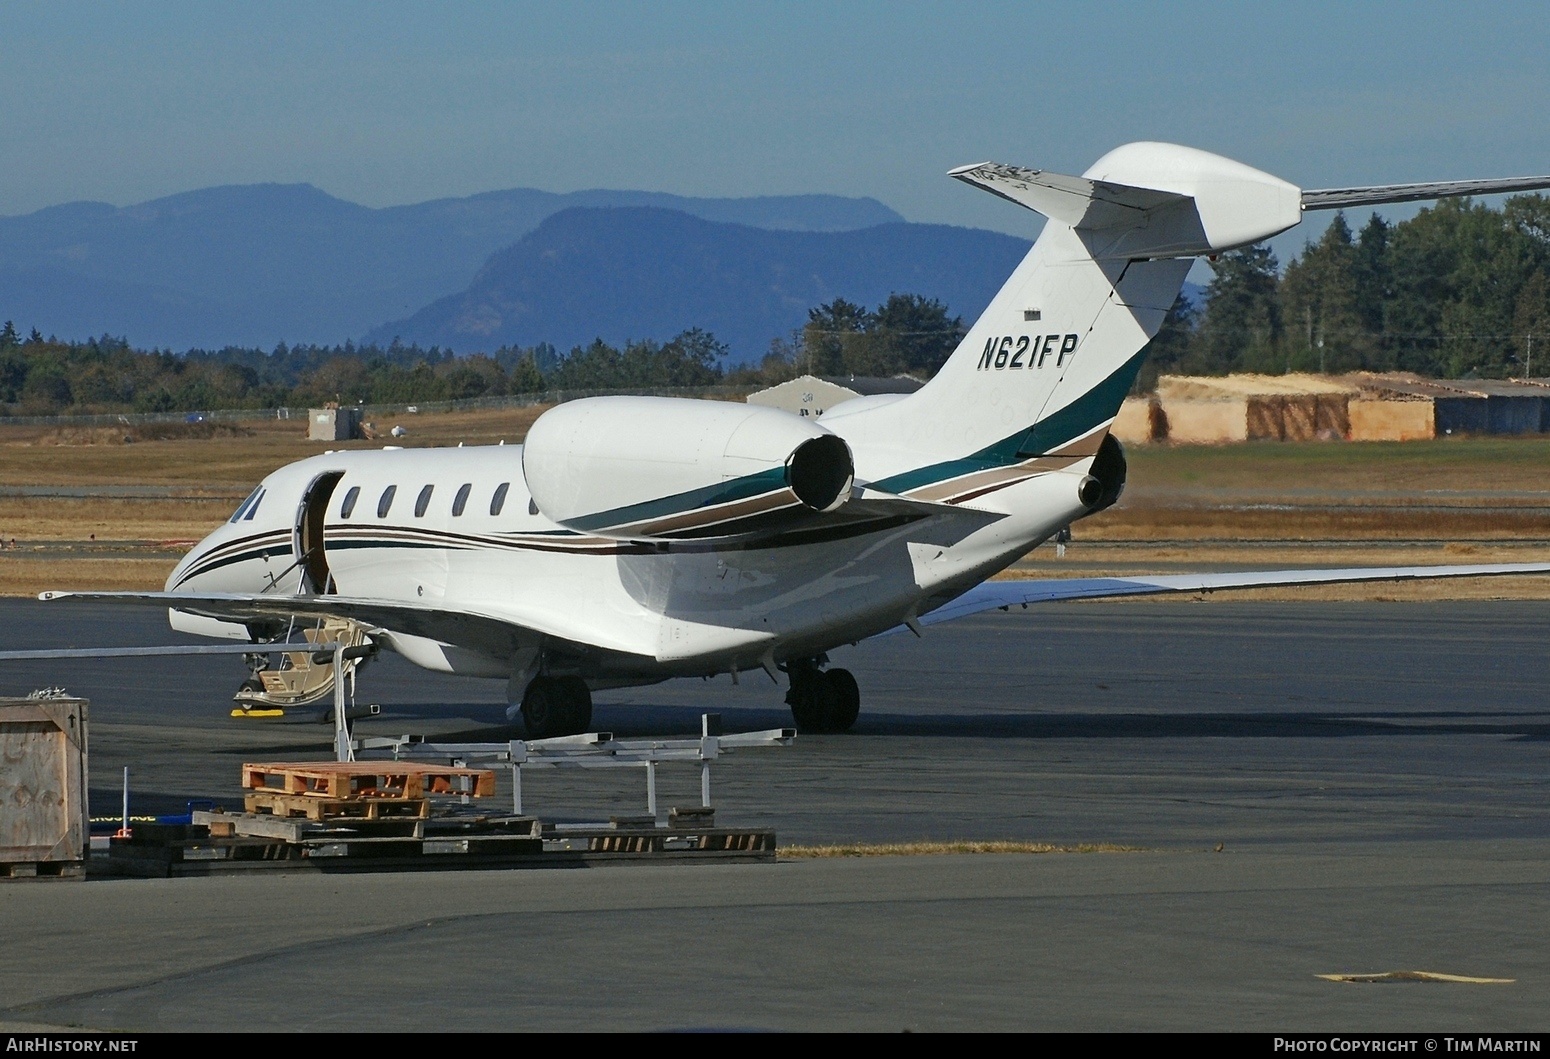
[{"x": 387, "y": 103}]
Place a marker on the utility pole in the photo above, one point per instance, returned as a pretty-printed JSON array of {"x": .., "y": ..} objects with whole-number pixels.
[{"x": 1307, "y": 313}]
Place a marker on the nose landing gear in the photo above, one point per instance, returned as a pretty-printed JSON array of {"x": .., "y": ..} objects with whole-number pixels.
[{"x": 825, "y": 700}]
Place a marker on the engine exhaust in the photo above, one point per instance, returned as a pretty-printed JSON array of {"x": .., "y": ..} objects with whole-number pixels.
[{"x": 820, "y": 472}]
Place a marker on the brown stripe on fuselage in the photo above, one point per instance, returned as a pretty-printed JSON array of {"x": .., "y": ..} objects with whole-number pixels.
[
  {"x": 442, "y": 538},
  {"x": 978, "y": 483},
  {"x": 709, "y": 516},
  {"x": 1086, "y": 445}
]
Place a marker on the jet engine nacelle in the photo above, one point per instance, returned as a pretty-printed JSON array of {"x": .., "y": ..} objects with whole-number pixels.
[
  {"x": 1108, "y": 471},
  {"x": 662, "y": 467}
]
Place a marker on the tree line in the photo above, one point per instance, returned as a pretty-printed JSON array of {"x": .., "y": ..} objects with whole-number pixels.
[
  {"x": 47, "y": 376},
  {"x": 1460, "y": 290}
]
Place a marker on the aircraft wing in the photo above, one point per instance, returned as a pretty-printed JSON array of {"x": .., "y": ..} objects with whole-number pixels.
[
  {"x": 491, "y": 631},
  {"x": 999, "y": 595},
  {"x": 1340, "y": 198}
]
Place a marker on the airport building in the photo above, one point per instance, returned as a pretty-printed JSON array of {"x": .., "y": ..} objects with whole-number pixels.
[{"x": 809, "y": 395}]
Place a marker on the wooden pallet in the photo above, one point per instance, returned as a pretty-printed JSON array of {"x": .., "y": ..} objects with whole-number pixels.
[
  {"x": 44, "y": 869},
  {"x": 624, "y": 844},
  {"x": 295, "y": 829},
  {"x": 659, "y": 840},
  {"x": 748, "y": 841},
  {"x": 435, "y": 844},
  {"x": 319, "y": 807},
  {"x": 341, "y": 780}
]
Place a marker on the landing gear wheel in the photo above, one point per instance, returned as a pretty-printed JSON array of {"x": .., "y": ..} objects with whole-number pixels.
[
  {"x": 826, "y": 701},
  {"x": 803, "y": 698},
  {"x": 541, "y": 708},
  {"x": 578, "y": 704},
  {"x": 554, "y": 706},
  {"x": 807, "y": 712},
  {"x": 846, "y": 697}
]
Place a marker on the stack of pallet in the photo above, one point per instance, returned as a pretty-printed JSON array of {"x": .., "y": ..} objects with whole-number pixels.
[{"x": 357, "y": 790}]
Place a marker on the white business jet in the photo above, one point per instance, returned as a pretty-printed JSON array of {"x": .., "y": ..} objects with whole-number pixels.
[{"x": 633, "y": 539}]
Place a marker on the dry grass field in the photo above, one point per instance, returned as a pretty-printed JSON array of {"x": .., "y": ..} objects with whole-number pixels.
[
  {"x": 1496, "y": 464},
  {"x": 225, "y": 463},
  {"x": 1251, "y": 506},
  {"x": 928, "y": 849}
]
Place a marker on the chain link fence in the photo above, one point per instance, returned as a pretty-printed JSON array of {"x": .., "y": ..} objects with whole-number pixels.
[{"x": 253, "y": 415}]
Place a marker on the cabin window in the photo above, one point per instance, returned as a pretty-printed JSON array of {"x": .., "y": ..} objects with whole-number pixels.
[
  {"x": 423, "y": 501},
  {"x": 253, "y": 507},
  {"x": 347, "y": 508},
  {"x": 386, "y": 502},
  {"x": 242, "y": 508},
  {"x": 461, "y": 500},
  {"x": 498, "y": 501}
]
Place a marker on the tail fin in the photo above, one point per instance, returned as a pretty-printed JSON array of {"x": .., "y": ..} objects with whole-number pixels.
[
  {"x": 1045, "y": 368},
  {"x": 1042, "y": 373}
]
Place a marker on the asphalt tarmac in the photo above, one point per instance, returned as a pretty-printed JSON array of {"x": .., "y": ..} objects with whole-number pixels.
[{"x": 1376, "y": 775}]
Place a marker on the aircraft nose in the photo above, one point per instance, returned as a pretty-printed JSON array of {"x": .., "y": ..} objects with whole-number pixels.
[{"x": 187, "y": 563}]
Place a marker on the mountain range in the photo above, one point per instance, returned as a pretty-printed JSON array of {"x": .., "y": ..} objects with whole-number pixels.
[
  {"x": 642, "y": 272},
  {"x": 258, "y": 264}
]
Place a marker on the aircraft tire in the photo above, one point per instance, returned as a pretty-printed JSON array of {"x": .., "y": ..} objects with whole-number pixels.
[
  {"x": 543, "y": 708},
  {"x": 825, "y": 702},
  {"x": 844, "y": 700},
  {"x": 807, "y": 698},
  {"x": 554, "y": 706},
  {"x": 807, "y": 712},
  {"x": 578, "y": 704}
]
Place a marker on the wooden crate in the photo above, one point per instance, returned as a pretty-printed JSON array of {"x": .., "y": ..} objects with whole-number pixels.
[
  {"x": 44, "y": 820},
  {"x": 343, "y": 780}
]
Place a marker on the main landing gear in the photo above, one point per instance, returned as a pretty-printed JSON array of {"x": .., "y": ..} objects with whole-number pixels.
[
  {"x": 554, "y": 706},
  {"x": 826, "y": 700}
]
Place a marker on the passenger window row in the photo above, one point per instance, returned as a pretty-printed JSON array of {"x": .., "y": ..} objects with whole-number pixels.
[{"x": 422, "y": 502}]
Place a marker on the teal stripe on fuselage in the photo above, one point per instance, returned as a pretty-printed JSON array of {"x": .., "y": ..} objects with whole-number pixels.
[
  {"x": 1080, "y": 417},
  {"x": 709, "y": 496}
]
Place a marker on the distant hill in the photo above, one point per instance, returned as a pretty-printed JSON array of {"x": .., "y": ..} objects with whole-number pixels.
[
  {"x": 258, "y": 264},
  {"x": 639, "y": 273}
]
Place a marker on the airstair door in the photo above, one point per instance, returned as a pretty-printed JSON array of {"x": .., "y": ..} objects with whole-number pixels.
[{"x": 307, "y": 541}]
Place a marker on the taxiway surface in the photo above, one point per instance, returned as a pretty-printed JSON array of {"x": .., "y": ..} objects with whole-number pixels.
[{"x": 1376, "y": 774}]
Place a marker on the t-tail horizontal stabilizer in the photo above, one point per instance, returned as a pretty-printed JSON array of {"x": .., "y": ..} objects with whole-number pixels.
[
  {"x": 1157, "y": 200},
  {"x": 1151, "y": 200}
]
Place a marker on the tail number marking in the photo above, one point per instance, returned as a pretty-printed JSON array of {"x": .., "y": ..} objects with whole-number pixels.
[{"x": 1009, "y": 352}]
